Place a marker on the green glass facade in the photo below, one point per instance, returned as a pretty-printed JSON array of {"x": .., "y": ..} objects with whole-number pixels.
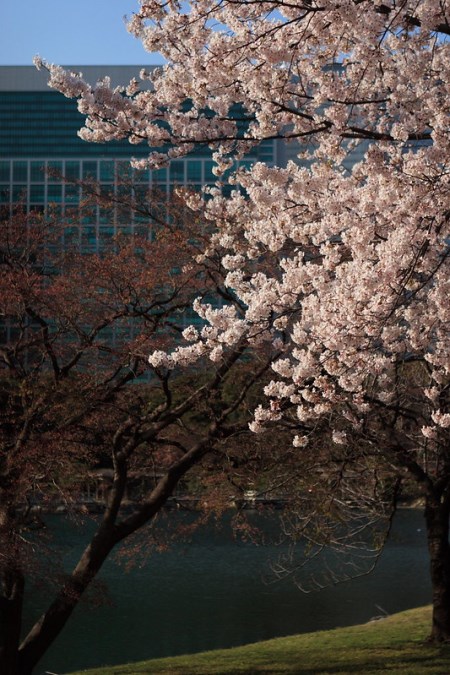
[
  {"x": 43, "y": 163},
  {"x": 41, "y": 153}
]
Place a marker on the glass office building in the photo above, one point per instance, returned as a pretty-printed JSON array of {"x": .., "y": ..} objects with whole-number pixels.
[
  {"x": 43, "y": 162},
  {"x": 41, "y": 156}
]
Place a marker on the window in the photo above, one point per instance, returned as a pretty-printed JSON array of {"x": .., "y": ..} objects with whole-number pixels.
[
  {"x": 176, "y": 172},
  {"x": 20, "y": 171},
  {"x": 4, "y": 172}
]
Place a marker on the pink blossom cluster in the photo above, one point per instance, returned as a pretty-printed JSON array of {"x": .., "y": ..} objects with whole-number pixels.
[{"x": 342, "y": 266}]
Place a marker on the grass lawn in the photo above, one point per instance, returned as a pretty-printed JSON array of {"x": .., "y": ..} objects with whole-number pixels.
[{"x": 392, "y": 645}]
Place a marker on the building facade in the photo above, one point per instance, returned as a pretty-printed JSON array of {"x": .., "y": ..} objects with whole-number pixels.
[
  {"x": 43, "y": 164},
  {"x": 41, "y": 156}
]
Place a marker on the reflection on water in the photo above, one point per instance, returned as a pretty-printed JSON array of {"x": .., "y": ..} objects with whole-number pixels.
[{"x": 211, "y": 593}]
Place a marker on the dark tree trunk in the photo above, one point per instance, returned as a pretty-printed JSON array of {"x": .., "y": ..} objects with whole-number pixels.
[
  {"x": 12, "y": 583},
  {"x": 48, "y": 627},
  {"x": 437, "y": 523},
  {"x": 45, "y": 631},
  {"x": 11, "y": 602}
]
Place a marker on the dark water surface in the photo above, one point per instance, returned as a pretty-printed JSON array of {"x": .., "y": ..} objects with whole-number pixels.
[{"x": 213, "y": 592}]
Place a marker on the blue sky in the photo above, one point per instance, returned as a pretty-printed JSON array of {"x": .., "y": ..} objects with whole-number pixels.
[{"x": 69, "y": 32}]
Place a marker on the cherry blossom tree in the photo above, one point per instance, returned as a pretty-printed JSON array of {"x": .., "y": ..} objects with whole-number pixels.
[
  {"x": 78, "y": 405},
  {"x": 355, "y": 229}
]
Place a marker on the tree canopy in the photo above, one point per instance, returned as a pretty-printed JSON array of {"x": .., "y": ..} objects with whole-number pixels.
[{"x": 340, "y": 259}]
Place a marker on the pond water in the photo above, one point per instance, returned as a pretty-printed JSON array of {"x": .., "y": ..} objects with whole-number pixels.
[{"x": 215, "y": 592}]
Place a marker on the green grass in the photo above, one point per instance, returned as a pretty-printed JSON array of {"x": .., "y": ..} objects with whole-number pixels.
[{"x": 392, "y": 645}]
